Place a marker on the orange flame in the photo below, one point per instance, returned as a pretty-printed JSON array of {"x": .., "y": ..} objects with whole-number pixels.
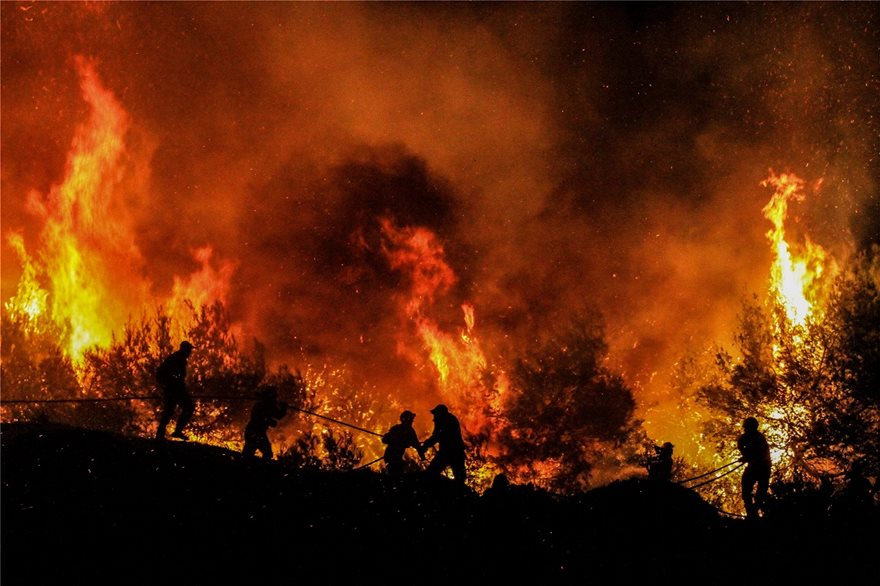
[
  {"x": 85, "y": 240},
  {"x": 458, "y": 359},
  {"x": 417, "y": 251},
  {"x": 205, "y": 286},
  {"x": 87, "y": 275},
  {"x": 795, "y": 279},
  {"x": 30, "y": 298}
]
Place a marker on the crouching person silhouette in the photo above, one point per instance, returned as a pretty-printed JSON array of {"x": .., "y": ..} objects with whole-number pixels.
[
  {"x": 400, "y": 437},
  {"x": 265, "y": 414},
  {"x": 660, "y": 465}
]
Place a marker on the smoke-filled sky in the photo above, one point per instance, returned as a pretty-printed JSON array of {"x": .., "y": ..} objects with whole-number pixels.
[{"x": 567, "y": 156}]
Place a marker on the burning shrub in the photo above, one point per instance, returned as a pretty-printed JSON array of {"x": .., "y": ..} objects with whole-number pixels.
[
  {"x": 812, "y": 384},
  {"x": 325, "y": 450},
  {"x": 33, "y": 366}
]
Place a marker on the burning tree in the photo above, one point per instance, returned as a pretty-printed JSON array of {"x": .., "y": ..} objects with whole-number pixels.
[{"x": 805, "y": 361}]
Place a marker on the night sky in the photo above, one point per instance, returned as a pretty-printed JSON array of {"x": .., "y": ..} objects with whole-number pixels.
[{"x": 568, "y": 157}]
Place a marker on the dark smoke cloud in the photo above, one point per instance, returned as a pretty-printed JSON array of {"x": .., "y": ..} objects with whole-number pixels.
[{"x": 569, "y": 156}]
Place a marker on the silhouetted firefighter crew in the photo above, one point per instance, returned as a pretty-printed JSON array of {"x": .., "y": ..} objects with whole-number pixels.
[
  {"x": 171, "y": 376},
  {"x": 447, "y": 432}
]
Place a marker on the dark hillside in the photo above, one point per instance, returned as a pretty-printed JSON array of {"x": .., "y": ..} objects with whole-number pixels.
[{"x": 86, "y": 507}]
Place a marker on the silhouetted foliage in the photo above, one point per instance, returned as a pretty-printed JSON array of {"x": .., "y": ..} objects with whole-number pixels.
[
  {"x": 223, "y": 378},
  {"x": 33, "y": 365},
  {"x": 324, "y": 450},
  {"x": 567, "y": 409},
  {"x": 813, "y": 387}
]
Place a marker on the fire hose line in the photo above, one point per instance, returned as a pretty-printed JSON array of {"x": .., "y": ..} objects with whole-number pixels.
[
  {"x": 707, "y": 473},
  {"x": 723, "y": 512},
  {"x": 368, "y": 463},
  {"x": 153, "y": 398},
  {"x": 734, "y": 469}
]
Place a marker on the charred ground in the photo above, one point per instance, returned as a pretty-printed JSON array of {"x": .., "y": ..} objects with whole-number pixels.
[{"x": 82, "y": 506}]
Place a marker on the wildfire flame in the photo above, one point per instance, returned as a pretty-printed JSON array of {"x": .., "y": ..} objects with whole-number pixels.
[
  {"x": 459, "y": 360},
  {"x": 86, "y": 276},
  {"x": 30, "y": 299},
  {"x": 85, "y": 240},
  {"x": 795, "y": 278}
]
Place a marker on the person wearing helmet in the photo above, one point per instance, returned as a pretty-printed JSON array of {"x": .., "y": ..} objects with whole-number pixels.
[
  {"x": 447, "y": 433},
  {"x": 171, "y": 377},
  {"x": 755, "y": 452},
  {"x": 400, "y": 437},
  {"x": 660, "y": 466},
  {"x": 264, "y": 414}
]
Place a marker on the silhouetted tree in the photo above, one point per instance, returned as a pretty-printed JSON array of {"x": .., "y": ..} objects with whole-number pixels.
[
  {"x": 851, "y": 431},
  {"x": 568, "y": 410}
]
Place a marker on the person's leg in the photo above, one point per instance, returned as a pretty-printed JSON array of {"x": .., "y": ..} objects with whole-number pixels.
[
  {"x": 251, "y": 441},
  {"x": 458, "y": 469},
  {"x": 437, "y": 465},
  {"x": 748, "y": 487},
  {"x": 187, "y": 408},
  {"x": 165, "y": 417},
  {"x": 394, "y": 466},
  {"x": 763, "y": 486},
  {"x": 266, "y": 447}
]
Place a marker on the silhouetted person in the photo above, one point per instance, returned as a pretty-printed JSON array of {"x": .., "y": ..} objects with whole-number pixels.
[
  {"x": 498, "y": 499},
  {"x": 264, "y": 414},
  {"x": 447, "y": 432},
  {"x": 400, "y": 437},
  {"x": 755, "y": 453},
  {"x": 171, "y": 376},
  {"x": 660, "y": 465},
  {"x": 857, "y": 496},
  {"x": 500, "y": 487}
]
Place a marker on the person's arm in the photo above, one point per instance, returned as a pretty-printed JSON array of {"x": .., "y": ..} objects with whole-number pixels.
[
  {"x": 432, "y": 439},
  {"x": 741, "y": 446}
]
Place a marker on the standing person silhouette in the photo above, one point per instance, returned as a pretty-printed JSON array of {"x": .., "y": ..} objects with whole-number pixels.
[
  {"x": 447, "y": 432},
  {"x": 397, "y": 439},
  {"x": 171, "y": 376},
  {"x": 755, "y": 453},
  {"x": 264, "y": 414}
]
